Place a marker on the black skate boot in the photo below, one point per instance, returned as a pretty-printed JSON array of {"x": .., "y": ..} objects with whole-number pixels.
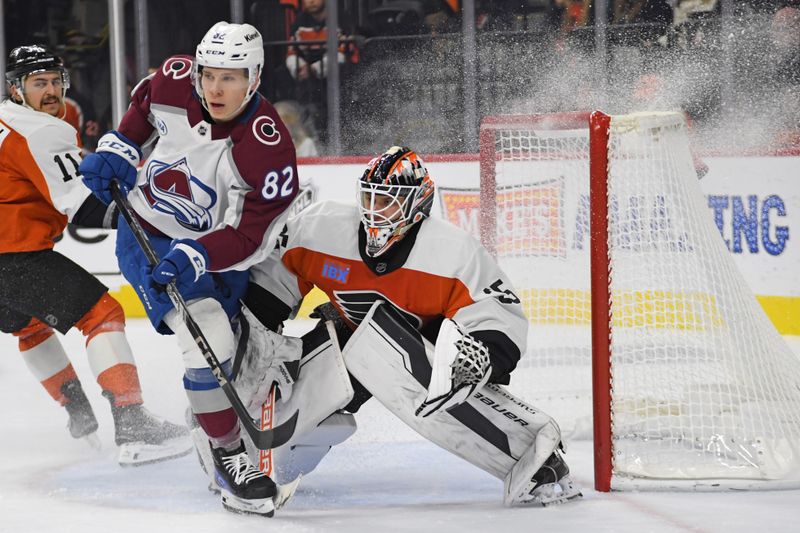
[
  {"x": 144, "y": 438},
  {"x": 553, "y": 484},
  {"x": 245, "y": 488},
  {"x": 82, "y": 421}
]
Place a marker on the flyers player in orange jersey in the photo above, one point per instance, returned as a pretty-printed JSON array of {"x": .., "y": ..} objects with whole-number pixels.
[
  {"x": 440, "y": 284},
  {"x": 43, "y": 291}
]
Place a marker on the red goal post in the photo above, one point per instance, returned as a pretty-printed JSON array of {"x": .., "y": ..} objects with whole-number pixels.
[{"x": 686, "y": 383}]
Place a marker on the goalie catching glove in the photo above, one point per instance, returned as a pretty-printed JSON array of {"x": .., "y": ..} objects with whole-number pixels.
[{"x": 461, "y": 365}]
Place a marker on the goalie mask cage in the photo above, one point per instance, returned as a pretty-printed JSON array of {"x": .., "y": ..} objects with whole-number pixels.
[{"x": 631, "y": 292}]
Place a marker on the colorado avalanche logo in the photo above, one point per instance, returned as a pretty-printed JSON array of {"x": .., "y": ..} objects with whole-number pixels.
[
  {"x": 172, "y": 189},
  {"x": 266, "y": 131},
  {"x": 177, "y": 68}
]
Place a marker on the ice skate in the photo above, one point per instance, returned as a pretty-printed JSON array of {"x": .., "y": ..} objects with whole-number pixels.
[
  {"x": 553, "y": 484},
  {"x": 82, "y": 423},
  {"x": 245, "y": 489},
  {"x": 143, "y": 438}
]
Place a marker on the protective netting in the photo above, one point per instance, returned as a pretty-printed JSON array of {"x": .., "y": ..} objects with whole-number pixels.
[
  {"x": 542, "y": 242},
  {"x": 704, "y": 389}
]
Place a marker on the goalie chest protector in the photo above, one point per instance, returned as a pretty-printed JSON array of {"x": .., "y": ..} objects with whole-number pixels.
[{"x": 445, "y": 273}]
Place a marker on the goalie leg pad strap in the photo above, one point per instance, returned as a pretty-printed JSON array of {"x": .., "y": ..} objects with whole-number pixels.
[{"x": 492, "y": 429}]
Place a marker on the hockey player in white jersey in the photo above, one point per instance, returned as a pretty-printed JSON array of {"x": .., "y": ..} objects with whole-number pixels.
[
  {"x": 42, "y": 290},
  {"x": 209, "y": 196},
  {"x": 433, "y": 323}
]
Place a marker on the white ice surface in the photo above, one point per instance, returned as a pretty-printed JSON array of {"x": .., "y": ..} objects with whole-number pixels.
[{"x": 383, "y": 479}]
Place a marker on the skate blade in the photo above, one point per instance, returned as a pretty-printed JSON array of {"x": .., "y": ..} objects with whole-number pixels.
[
  {"x": 139, "y": 453},
  {"x": 561, "y": 499},
  {"x": 264, "y": 507},
  {"x": 554, "y": 494},
  {"x": 93, "y": 441},
  {"x": 285, "y": 492}
]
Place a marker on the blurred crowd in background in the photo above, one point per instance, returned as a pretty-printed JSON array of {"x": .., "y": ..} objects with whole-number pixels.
[{"x": 733, "y": 68}]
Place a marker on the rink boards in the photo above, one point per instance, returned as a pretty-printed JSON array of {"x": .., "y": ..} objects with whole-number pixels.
[{"x": 754, "y": 201}]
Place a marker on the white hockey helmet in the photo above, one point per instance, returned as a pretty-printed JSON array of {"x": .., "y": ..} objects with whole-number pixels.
[{"x": 228, "y": 45}]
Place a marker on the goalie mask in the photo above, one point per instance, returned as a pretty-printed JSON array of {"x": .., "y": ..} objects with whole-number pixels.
[
  {"x": 394, "y": 193},
  {"x": 230, "y": 46},
  {"x": 34, "y": 59}
]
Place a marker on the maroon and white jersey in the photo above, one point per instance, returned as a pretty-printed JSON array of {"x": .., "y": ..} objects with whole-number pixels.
[
  {"x": 437, "y": 270},
  {"x": 224, "y": 185}
]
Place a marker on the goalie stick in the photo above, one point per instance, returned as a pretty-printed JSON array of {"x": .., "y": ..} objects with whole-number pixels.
[
  {"x": 267, "y": 413},
  {"x": 262, "y": 439}
]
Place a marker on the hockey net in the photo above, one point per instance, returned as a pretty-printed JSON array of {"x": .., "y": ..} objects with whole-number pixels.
[{"x": 694, "y": 387}]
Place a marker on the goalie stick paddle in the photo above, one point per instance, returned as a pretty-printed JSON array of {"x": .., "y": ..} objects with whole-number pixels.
[{"x": 263, "y": 439}]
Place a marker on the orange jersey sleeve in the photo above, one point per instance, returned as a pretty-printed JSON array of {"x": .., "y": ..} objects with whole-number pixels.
[{"x": 40, "y": 188}]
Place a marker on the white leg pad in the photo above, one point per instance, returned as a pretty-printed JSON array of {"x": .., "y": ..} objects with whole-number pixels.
[
  {"x": 492, "y": 429},
  {"x": 322, "y": 388},
  {"x": 303, "y": 457},
  {"x": 518, "y": 483}
]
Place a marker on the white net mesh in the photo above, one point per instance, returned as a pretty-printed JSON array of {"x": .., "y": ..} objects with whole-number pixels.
[
  {"x": 542, "y": 242},
  {"x": 704, "y": 388}
]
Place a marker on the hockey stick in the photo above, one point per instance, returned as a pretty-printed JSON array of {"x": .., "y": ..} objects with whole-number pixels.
[{"x": 262, "y": 439}]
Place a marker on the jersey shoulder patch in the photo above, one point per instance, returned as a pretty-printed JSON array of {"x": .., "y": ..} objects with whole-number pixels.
[
  {"x": 172, "y": 83},
  {"x": 264, "y": 153},
  {"x": 265, "y": 127}
]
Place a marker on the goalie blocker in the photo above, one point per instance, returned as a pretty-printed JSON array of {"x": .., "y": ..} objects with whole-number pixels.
[{"x": 491, "y": 429}]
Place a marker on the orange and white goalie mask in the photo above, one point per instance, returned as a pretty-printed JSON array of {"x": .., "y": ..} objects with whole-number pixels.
[{"x": 394, "y": 193}]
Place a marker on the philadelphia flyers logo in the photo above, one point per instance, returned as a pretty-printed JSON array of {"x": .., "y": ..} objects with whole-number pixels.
[
  {"x": 177, "y": 68},
  {"x": 266, "y": 131},
  {"x": 356, "y": 305}
]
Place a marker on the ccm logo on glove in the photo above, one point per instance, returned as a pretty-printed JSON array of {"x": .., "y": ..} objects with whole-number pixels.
[{"x": 185, "y": 263}]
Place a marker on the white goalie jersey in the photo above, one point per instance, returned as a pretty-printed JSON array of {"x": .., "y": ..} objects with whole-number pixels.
[{"x": 437, "y": 271}]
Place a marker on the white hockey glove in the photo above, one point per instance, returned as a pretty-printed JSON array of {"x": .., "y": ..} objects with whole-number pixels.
[
  {"x": 460, "y": 366},
  {"x": 269, "y": 359}
]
